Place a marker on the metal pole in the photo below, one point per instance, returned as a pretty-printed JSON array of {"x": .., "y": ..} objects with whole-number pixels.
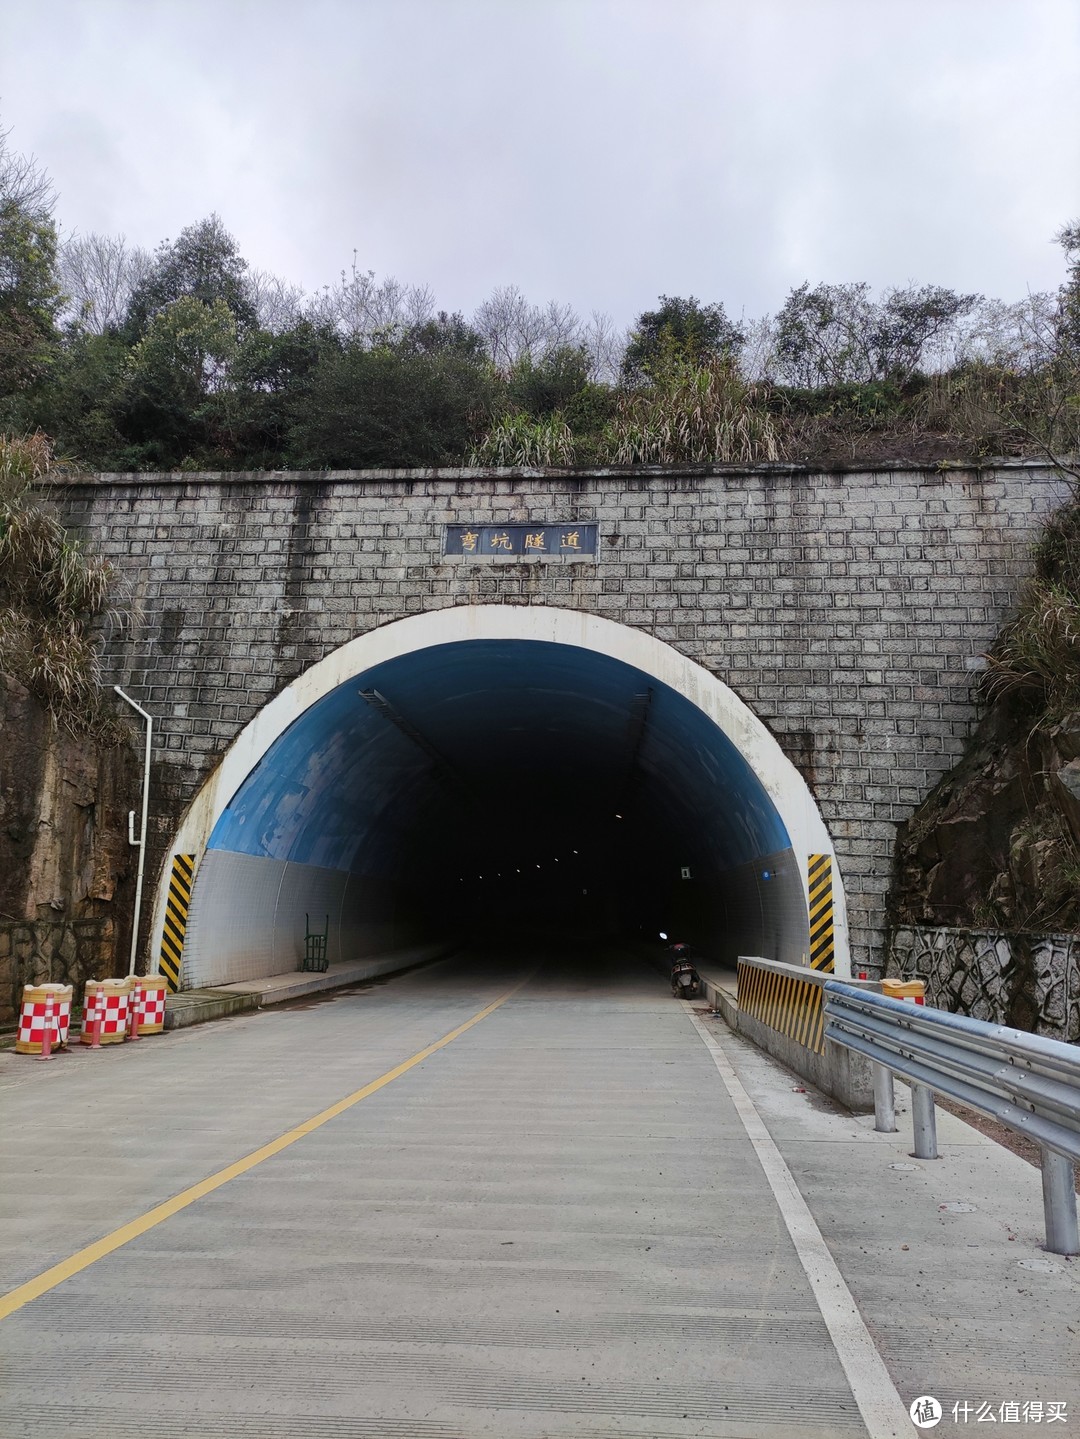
[
  {"x": 1059, "y": 1203},
  {"x": 924, "y": 1122},
  {"x": 884, "y": 1100},
  {"x": 141, "y": 841}
]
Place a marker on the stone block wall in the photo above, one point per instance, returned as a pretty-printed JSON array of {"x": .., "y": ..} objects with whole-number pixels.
[
  {"x": 53, "y": 951},
  {"x": 846, "y": 609},
  {"x": 1030, "y": 981}
]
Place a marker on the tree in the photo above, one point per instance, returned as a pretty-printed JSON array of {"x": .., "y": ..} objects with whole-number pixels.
[
  {"x": 513, "y": 328},
  {"x": 204, "y": 264},
  {"x": 839, "y": 335},
  {"x": 367, "y": 311},
  {"x": 278, "y": 305},
  {"x": 539, "y": 388},
  {"x": 391, "y": 406},
  {"x": 81, "y": 407},
  {"x": 683, "y": 330},
  {"x": 605, "y": 347},
  {"x": 912, "y": 327},
  {"x": 270, "y": 385},
  {"x": 1069, "y": 295},
  {"x": 173, "y": 373},
  {"x": 23, "y": 181},
  {"x": 822, "y": 336},
  {"x": 444, "y": 335},
  {"x": 99, "y": 275},
  {"x": 1019, "y": 337},
  {"x": 30, "y": 294}
]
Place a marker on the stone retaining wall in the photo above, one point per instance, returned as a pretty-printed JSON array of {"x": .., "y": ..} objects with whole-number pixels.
[
  {"x": 67, "y": 951},
  {"x": 1031, "y": 981}
]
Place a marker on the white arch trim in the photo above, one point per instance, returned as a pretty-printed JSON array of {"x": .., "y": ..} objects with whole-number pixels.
[{"x": 781, "y": 780}]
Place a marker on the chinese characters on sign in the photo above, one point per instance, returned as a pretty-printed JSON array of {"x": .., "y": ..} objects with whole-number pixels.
[{"x": 568, "y": 540}]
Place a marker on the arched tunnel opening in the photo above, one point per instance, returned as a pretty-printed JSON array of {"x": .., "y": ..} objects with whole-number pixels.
[{"x": 493, "y": 790}]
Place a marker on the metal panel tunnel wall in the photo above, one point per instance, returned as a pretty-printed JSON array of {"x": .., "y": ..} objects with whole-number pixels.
[{"x": 493, "y": 771}]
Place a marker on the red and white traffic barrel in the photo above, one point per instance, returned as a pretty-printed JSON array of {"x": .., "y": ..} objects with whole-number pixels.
[
  {"x": 105, "y": 1011},
  {"x": 37, "y": 1001},
  {"x": 153, "y": 989}
]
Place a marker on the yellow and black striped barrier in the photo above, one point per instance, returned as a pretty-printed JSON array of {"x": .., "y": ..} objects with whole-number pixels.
[
  {"x": 821, "y": 912},
  {"x": 785, "y": 1002},
  {"x": 176, "y": 917}
]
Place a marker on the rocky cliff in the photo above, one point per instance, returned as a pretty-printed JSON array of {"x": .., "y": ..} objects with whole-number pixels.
[
  {"x": 67, "y": 873},
  {"x": 997, "y": 843}
]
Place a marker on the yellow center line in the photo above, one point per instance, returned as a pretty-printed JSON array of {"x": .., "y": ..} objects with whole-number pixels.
[{"x": 83, "y": 1258}]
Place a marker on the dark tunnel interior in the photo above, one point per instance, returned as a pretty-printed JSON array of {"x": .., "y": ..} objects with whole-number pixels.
[{"x": 490, "y": 790}]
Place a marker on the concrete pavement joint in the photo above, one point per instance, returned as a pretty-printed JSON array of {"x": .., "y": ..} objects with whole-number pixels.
[{"x": 880, "y": 1405}]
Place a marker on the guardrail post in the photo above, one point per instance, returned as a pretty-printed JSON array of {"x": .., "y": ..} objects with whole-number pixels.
[
  {"x": 884, "y": 1100},
  {"x": 924, "y": 1122},
  {"x": 1059, "y": 1203}
]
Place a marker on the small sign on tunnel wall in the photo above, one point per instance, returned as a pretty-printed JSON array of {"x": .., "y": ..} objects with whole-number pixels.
[{"x": 570, "y": 540}]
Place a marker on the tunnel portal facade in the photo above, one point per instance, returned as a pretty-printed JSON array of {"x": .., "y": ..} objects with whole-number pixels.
[
  {"x": 286, "y": 625},
  {"x": 486, "y": 771}
]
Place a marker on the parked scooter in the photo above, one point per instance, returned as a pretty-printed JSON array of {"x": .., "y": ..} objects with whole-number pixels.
[{"x": 685, "y": 980}]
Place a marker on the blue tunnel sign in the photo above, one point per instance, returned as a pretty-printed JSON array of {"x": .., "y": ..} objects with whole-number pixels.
[{"x": 492, "y": 542}]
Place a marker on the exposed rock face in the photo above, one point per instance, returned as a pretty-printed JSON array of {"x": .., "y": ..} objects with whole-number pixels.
[
  {"x": 985, "y": 905},
  {"x": 66, "y": 869},
  {"x": 996, "y": 845}
]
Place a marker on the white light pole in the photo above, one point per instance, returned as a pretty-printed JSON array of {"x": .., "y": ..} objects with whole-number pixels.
[{"x": 139, "y": 843}]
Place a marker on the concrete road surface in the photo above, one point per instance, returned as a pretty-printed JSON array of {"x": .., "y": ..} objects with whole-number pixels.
[{"x": 569, "y": 1220}]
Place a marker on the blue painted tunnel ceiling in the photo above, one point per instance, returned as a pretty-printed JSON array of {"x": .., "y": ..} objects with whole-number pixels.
[{"x": 493, "y": 747}]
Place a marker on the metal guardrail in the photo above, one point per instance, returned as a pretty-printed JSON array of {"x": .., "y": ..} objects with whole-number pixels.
[{"x": 1026, "y": 1082}]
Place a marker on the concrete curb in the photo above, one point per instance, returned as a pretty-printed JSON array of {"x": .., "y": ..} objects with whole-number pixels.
[
  {"x": 196, "y": 1006},
  {"x": 840, "y": 1073}
]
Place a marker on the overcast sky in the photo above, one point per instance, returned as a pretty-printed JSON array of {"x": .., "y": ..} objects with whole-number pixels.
[{"x": 599, "y": 152}]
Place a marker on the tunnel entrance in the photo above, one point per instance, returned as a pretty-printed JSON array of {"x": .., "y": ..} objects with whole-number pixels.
[{"x": 494, "y": 771}]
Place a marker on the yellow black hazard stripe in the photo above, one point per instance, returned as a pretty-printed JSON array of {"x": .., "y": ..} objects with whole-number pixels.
[
  {"x": 821, "y": 912},
  {"x": 790, "y": 1005},
  {"x": 176, "y": 916}
]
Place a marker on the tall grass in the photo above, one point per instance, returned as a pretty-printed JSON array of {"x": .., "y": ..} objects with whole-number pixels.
[
  {"x": 692, "y": 413},
  {"x": 50, "y": 590},
  {"x": 521, "y": 441},
  {"x": 689, "y": 412},
  {"x": 1039, "y": 651}
]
